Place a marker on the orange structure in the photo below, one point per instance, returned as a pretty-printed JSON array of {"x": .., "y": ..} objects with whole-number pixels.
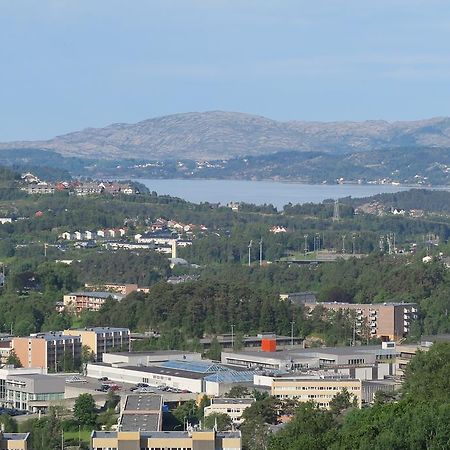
[{"x": 269, "y": 343}]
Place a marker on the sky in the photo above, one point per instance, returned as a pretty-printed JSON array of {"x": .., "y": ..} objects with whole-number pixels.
[{"x": 70, "y": 64}]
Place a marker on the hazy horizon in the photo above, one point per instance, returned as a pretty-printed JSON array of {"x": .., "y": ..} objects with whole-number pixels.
[{"x": 73, "y": 65}]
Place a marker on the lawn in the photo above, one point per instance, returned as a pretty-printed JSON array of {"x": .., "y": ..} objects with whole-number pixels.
[{"x": 85, "y": 435}]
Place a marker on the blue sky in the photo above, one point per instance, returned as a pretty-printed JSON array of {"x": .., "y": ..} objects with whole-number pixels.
[{"x": 71, "y": 64}]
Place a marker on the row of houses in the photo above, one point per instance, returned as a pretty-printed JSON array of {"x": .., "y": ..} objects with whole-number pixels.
[
  {"x": 90, "y": 235},
  {"x": 80, "y": 188}
]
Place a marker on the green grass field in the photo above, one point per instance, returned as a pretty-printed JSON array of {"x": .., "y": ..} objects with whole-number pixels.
[{"x": 85, "y": 435}]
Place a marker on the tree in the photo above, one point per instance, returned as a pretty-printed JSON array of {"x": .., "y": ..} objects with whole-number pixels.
[
  {"x": 342, "y": 401},
  {"x": 13, "y": 359},
  {"x": 8, "y": 423},
  {"x": 84, "y": 409},
  {"x": 215, "y": 350},
  {"x": 186, "y": 412},
  {"x": 238, "y": 392},
  {"x": 223, "y": 421}
]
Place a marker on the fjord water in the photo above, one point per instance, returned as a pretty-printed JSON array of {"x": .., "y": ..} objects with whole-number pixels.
[{"x": 260, "y": 192}]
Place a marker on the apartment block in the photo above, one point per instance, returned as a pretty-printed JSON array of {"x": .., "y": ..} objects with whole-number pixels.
[
  {"x": 102, "y": 339},
  {"x": 159, "y": 440},
  {"x": 47, "y": 350},
  {"x": 90, "y": 301},
  {"x": 320, "y": 391},
  {"x": 387, "y": 321}
]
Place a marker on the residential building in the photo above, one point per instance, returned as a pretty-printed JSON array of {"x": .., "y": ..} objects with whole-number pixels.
[
  {"x": 233, "y": 407},
  {"x": 5, "y": 349},
  {"x": 91, "y": 301},
  {"x": 152, "y": 440},
  {"x": 15, "y": 441},
  {"x": 387, "y": 321},
  {"x": 318, "y": 390},
  {"x": 52, "y": 350},
  {"x": 123, "y": 289},
  {"x": 32, "y": 392},
  {"x": 102, "y": 339},
  {"x": 40, "y": 188}
]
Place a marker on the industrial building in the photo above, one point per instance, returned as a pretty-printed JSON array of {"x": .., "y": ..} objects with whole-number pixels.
[
  {"x": 141, "y": 412},
  {"x": 149, "y": 358},
  {"x": 311, "y": 358}
]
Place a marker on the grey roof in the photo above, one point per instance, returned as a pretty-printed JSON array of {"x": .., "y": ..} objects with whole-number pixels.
[
  {"x": 165, "y": 434},
  {"x": 139, "y": 422},
  {"x": 143, "y": 402},
  {"x": 15, "y": 436},
  {"x": 100, "y": 329},
  {"x": 153, "y": 353},
  {"x": 169, "y": 372},
  {"x": 232, "y": 401}
]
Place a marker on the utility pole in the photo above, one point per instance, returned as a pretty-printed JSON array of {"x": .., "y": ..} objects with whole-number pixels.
[
  {"x": 250, "y": 253},
  {"x": 336, "y": 214},
  {"x": 232, "y": 337},
  {"x": 260, "y": 252},
  {"x": 306, "y": 243},
  {"x": 343, "y": 243},
  {"x": 353, "y": 244},
  {"x": 292, "y": 334},
  {"x": 45, "y": 250}
]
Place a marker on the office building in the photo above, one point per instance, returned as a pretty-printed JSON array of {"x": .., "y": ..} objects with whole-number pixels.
[
  {"x": 149, "y": 358},
  {"x": 318, "y": 390},
  {"x": 102, "y": 339},
  {"x": 141, "y": 412},
  {"x": 33, "y": 392},
  {"x": 233, "y": 407},
  {"x": 52, "y": 351},
  {"x": 153, "y": 440}
]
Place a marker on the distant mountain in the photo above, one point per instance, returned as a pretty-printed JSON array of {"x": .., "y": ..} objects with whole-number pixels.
[{"x": 224, "y": 135}]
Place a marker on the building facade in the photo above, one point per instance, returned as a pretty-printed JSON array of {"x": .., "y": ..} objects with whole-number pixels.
[
  {"x": 53, "y": 351},
  {"x": 90, "y": 301},
  {"x": 232, "y": 407},
  {"x": 102, "y": 339},
  {"x": 317, "y": 390},
  {"x": 159, "y": 440},
  {"x": 387, "y": 321}
]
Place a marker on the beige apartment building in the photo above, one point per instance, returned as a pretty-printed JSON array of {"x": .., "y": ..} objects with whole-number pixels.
[
  {"x": 232, "y": 407},
  {"x": 387, "y": 321},
  {"x": 320, "y": 391},
  {"x": 14, "y": 441},
  {"x": 102, "y": 339},
  {"x": 88, "y": 301},
  {"x": 159, "y": 440},
  {"x": 47, "y": 350}
]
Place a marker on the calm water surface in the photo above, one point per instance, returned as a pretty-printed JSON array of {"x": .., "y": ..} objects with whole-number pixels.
[{"x": 260, "y": 192}]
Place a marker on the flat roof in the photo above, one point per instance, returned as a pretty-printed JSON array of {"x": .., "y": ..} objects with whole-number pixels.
[
  {"x": 311, "y": 352},
  {"x": 99, "y": 329},
  {"x": 143, "y": 402},
  {"x": 164, "y": 371},
  {"x": 153, "y": 353},
  {"x": 98, "y": 294},
  {"x": 232, "y": 401},
  {"x": 167, "y": 434}
]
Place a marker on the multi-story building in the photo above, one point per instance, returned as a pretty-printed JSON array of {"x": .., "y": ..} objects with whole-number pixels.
[
  {"x": 102, "y": 339},
  {"x": 318, "y": 390},
  {"x": 233, "y": 407},
  {"x": 15, "y": 441},
  {"x": 387, "y": 321},
  {"x": 152, "y": 440},
  {"x": 32, "y": 392},
  {"x": 52, "y": 351},
  {"x": 91, "y": 301},
  {"x": 123, "y": 289}
]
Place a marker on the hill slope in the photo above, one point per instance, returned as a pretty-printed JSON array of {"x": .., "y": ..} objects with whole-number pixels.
[{"x": 223, "y": 135}]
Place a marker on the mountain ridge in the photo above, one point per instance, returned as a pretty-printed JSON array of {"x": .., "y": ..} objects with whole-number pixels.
[{"x": 222, "y": 134}]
